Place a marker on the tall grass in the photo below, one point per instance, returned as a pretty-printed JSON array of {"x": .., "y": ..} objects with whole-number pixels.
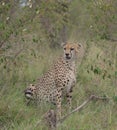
[
  {"x": 26, "y": 55},
  {"x": 14, "y": 114}
]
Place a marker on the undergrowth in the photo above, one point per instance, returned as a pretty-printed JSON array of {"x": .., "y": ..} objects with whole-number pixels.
[{"x": 95, "y": 75}]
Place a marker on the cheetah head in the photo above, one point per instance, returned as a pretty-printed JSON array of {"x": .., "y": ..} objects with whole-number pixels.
[
  {"x": 70, "y": 50},
  {"x": 30, "y": 92}
]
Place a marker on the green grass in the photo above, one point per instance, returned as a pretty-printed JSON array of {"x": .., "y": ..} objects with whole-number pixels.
[
  {"x": 88, "y": 22},
  {"x": 96, "y": 75}
]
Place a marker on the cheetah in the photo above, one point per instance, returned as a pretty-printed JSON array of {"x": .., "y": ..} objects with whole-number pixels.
[{"x": 58, "y": 81}]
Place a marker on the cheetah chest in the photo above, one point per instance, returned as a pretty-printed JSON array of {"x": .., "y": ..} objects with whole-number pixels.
[{"x": 71, "y": 80}]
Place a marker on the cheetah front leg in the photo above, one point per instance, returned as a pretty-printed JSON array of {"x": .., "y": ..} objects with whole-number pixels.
[
  {"x": 69, "y": 99},
  {"x": 58, "y": 104}
]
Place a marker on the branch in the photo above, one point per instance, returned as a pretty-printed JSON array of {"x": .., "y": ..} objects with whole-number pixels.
[
  {"x": 92, "y": 97},
  {"x": 50, "y": 116}
]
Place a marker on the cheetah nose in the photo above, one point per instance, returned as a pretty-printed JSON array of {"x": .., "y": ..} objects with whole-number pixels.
[{"x": 67, "y": 54}]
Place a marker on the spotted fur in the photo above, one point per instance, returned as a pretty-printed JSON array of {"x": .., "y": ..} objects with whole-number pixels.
[{"x": 58, "y": 81}]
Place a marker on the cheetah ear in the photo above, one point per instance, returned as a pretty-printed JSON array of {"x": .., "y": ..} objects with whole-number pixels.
[
  {"x": 63, "y": 44},
  {"x": 78, "y": 46}
]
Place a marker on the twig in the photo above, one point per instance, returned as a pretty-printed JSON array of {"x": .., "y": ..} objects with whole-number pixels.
[
  {"x": 48, "y": 116},
  {"x": 92, "y": 97}
]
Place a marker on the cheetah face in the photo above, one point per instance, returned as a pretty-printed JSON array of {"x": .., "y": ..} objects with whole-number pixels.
[
  {"x": 30, "y": 91},
  {"x": 70, "y": 50}
]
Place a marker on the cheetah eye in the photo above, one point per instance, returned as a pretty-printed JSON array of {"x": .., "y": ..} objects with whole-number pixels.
[
  {"x": 71, "y": 49},
  {"x": 64, "y": 48}
]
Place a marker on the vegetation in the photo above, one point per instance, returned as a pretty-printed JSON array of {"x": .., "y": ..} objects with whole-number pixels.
[{"x": 30, "y": 39}]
